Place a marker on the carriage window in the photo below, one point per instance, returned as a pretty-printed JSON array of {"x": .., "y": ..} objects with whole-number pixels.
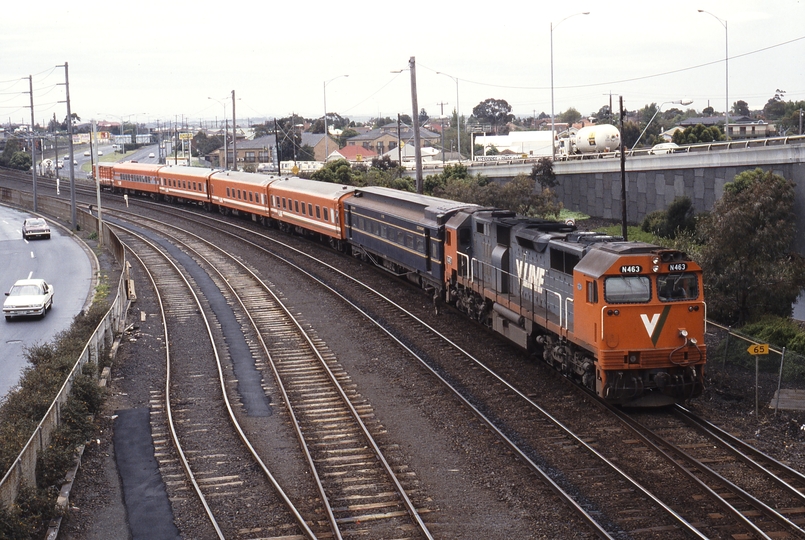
[
  {"x": 284, "y": 200},
  {"x": 194, "y": 186},
  {"x": 326, "y": 214},
  {"x": 675, "y": 287},
  {"x": 627, "y": 289},
  {"x": 227, "y": 192},
  {"x": 318, "y": 212},
  {"x": 296, "y": 206},
  {"x": 309, "y": 209},
  {"x": 251, "y": 196},
  {"x": 303, "y": 208}
]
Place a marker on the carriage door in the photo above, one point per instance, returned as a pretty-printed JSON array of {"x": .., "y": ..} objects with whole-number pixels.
[{"x": 427, "y": 250}]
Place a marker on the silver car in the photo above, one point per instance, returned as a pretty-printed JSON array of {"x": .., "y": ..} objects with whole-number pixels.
[
  {"x": 28, "y": 297},
  {"x": 35, "y": 228}
]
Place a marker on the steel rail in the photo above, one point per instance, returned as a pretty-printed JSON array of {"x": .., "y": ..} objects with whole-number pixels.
[{"x": 241, "y": 434}]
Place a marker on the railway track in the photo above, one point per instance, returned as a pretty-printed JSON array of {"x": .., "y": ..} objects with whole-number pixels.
[
  {"x": 644, "y": 515},
  {"x": 193, "y": 428},
  {"x": 358, "y": 492},
  {"x": 485, "y": 401},
  {"x": 715, "y": 516}
]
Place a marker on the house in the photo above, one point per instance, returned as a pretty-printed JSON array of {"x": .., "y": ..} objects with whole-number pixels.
[
  {"x": 386, "y": 138},
  {"x": 262, "y": 151},
  {"x": 741, "y": 127},
  {"x": 407, "y": 152},
  {"x": 353, "y": 154}
]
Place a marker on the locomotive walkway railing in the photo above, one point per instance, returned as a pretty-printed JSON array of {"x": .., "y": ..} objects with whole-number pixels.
[
  {"x": 23, "y": 471},
  {"x": 500, "y": 285}
]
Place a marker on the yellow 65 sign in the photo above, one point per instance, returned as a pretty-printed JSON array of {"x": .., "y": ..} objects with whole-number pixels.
[{"x": 758, "y": 348}]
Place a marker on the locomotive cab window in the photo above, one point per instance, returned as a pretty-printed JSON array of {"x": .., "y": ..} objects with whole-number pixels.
[
  {"x": 627, "y": 289},
  {"x": 676, "y": 287}
]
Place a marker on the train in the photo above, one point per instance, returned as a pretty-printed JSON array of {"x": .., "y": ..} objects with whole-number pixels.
[{"x": 625, "y": 320}]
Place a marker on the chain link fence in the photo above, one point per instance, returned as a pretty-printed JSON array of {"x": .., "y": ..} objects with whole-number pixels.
[{"x": 730, "y": 354}]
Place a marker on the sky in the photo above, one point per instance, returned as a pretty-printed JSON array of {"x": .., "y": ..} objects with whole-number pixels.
[{"x": 151, "y": 61}]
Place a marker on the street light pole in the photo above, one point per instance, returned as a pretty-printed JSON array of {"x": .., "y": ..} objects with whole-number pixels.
[
  {"x": 727, "y": 71},
  {"x": 678, "y": 101},
  {"x": 326, "y": 134},
  {"x": 226, "y": 128},
  {"x": 553, "y": 127},
  {"x": 458, "y": 113}
]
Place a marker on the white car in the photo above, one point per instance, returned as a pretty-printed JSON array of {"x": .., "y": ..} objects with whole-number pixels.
[
  {"x": 100, "y": 152},
  {"x": 86, "y": 153},
  {"x": 151, "y": 155},
  {"x": 35, "y": 228},
  {"x": 28, "y": 297}
]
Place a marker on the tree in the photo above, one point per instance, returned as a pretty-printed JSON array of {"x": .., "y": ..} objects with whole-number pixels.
[
  {"x": 630, "y": 133},
  {"x": 740, "y": 108},
  {"x": 669, "y": 223},
  {"x": 708, "y": 111},
  {"x": 749, "y": 265},
  {"x": 698, "y": 134},
  {"x": 13, "y": 146},
  {"x": 495, "y": 111},
  {"x": 604, "y": 115},
  {"x": 570, "y": 116},
  {"x": 542, "y": 172},
  {"x": 203, "y": 144},
  {"x": 346, "y": 134}
]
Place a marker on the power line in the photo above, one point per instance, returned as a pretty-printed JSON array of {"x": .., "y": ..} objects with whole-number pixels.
[{"x": 642, "y": 78}]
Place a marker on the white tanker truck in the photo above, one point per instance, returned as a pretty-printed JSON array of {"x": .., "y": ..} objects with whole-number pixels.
[{"x": 591, "y": 140}]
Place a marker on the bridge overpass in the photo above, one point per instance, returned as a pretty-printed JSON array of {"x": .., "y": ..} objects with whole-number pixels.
[{"x": 592, "y": 184}]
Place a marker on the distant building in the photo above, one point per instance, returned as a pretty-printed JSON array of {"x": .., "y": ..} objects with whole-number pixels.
[
  {"x": 353, "y": 154},
  {"x": 528, "y": 143},
  {"x": 385, "y": 138},
  {"x": 741, "y": 127}
]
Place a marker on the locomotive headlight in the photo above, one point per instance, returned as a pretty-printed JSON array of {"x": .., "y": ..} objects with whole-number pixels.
[
  {"x": 655, "y": 268},
  {"x": 683, "y": 333},
  {"x": 655, "y": 260},
  {"x": 693, "y": 341}
]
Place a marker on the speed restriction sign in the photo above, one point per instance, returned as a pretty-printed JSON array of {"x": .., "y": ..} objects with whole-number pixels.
[{"x": 758, "y": 348}]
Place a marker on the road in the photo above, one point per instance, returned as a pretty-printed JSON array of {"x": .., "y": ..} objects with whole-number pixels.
[{"x": 63, "y": 263}]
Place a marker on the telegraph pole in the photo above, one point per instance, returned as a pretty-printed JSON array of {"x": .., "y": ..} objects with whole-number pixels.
[
  {"x": 234, "y": 136},
  {"x": 70, "y": 145},
  {"x": 33, "y": 139},
  {"x": 623, "y": 179},
  {"x": 415, "y": 121}
]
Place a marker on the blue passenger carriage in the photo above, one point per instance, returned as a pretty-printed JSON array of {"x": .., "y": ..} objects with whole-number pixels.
[{"x": 401, "y": 231}]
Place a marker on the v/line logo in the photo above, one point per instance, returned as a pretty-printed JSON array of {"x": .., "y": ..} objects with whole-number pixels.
[{"x": 655, "y": 324}]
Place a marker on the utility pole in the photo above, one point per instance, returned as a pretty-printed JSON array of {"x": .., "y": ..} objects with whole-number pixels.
[
  {"x": 73, "y": 220},
  {"x": 623, "y": 180},
  {"x": 234, "y": 136},
  {"x": 415, "y": 118},
  {"x": 441, "y": 118},
  {"x": 97, "y": 182},
  {"x": 33, "y": 139}
]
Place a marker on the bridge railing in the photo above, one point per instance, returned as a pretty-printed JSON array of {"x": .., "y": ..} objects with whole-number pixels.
[{"x": 501, "y": 161}]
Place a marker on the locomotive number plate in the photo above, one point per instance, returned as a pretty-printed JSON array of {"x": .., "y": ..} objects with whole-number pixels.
[
  {"x": 631, "y": 269},
  {"x": 677, "y": 267}
]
